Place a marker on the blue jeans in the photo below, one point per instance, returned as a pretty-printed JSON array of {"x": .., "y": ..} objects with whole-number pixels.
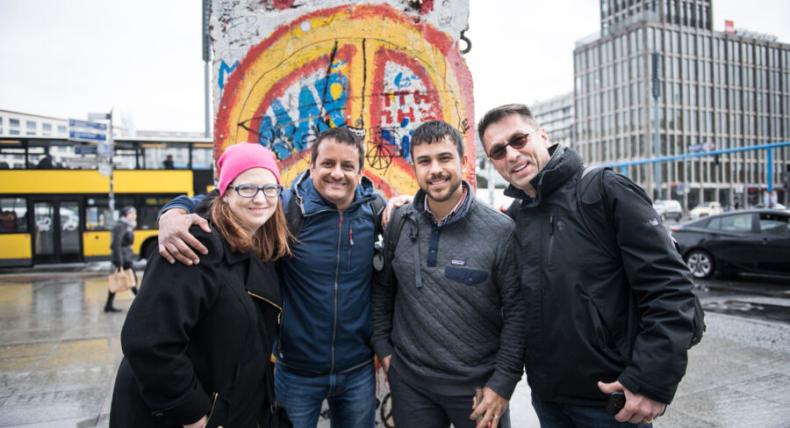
[
  {"x": 351, "y": 397},
  {"x": 557, "y": 415}
]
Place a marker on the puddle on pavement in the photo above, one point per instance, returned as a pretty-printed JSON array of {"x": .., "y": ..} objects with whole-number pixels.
[{"x": 746, "y": 309}]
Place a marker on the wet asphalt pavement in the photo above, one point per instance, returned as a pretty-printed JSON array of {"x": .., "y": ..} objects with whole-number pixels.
[{"x": 59, "y": 353}]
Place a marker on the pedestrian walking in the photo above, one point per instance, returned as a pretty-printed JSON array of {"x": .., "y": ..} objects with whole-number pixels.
[{"x": 121, "y": 254}]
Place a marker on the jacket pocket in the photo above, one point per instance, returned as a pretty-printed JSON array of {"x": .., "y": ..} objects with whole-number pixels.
[
  {"x": 465, "y": 275},
  {"x": 602, "y": 336}
]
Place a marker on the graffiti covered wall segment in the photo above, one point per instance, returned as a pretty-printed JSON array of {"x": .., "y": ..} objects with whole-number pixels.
[{"x": 379, "y": 68}]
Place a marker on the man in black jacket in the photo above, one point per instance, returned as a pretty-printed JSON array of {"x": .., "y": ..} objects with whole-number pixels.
[{"x": 599, "y": 321}]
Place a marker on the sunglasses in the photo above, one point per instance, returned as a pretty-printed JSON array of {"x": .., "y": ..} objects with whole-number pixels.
[{"x": 517, "y": 141}]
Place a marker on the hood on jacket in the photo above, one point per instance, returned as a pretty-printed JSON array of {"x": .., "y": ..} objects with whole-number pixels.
[
  {"x": 311, "y": 202},
  {"x": 563, "y": 165}
]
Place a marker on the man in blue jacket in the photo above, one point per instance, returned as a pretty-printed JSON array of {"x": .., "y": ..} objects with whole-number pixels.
[{"x": 324, "y": 348}]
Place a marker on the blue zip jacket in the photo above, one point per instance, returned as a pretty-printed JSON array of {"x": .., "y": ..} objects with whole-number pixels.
[{"x": 326, "y": 325}]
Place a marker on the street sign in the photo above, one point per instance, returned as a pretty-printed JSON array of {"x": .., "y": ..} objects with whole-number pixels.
[
  {"x": 82, "y": 149},
  {"x": 104, "y": 149},
  {"x": 98, "y": 116},
  {"x": 105, "y": 169},
  {"x": 91, "y": 132}
]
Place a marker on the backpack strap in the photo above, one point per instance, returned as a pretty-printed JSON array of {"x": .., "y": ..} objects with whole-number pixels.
[
  {"x": 609, "y": 244},
  {"x": 591, "y": 180},
  {"x": 293, "y": 211},
  {"x": 391, "y": 236},
  {"x": 377, "y": 205}
]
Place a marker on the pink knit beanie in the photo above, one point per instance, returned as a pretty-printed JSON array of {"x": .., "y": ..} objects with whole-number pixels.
[{"x": 241, "y": 157}]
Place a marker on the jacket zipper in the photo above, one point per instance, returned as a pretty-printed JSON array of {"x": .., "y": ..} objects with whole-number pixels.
[
  {"x": 551, "y": 239},
  {"x": 278, "y": 307},
  {"x": 350, "y": 245},
  {"x": 337, "y": 278},
  {"x": 214, "y": 398}
]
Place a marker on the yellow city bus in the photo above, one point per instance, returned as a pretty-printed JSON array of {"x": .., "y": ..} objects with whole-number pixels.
[{"x": 54, "y": 201}]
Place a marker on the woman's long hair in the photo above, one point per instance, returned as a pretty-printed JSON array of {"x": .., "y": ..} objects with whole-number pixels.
[{"x": 270, "y": 241}]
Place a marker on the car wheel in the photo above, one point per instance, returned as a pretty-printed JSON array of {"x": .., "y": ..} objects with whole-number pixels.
[{"x": 700, "y": 263}]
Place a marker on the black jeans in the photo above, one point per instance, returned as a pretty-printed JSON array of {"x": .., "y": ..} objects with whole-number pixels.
[
  {"x": 413, "y": 406},
  {"x": 556, "y": 415}
]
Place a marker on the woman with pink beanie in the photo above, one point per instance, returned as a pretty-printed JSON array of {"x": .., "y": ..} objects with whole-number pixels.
[{"x": 197, "y": 339}]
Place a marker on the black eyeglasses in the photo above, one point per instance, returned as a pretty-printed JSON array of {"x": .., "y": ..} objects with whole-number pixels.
[
  {"x": 517, "y": 141},
  {"x": 271, "y": 191}
]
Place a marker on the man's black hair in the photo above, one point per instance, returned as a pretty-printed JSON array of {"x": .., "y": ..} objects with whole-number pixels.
[
  {"x": 496, "y": 114},
  {"x": 433, "y": 132},
  {"x": 340, "y": 135}
]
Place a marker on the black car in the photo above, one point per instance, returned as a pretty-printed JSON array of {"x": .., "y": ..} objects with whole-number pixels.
[{"x": 756, "y": 241}]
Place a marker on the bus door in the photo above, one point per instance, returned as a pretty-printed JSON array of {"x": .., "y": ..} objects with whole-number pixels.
[{"x": 56, "y": 231}]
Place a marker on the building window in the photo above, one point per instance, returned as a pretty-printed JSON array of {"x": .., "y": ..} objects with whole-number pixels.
[
  {"x": 30, "y": 128},
  {"x": 13, "y": 126},
  {"x": 46, "y": 128},
  {"x": 61, "y": 129}
]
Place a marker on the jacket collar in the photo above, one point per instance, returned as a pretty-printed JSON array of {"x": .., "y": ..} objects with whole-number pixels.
[
  {"x": 256, "y": 281},
  {"x": 419, "y": 205},
  {"x": 312, "y": 202},
  {"x": 563, "y": 165}
]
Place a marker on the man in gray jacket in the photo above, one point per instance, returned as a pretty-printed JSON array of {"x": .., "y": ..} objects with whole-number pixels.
[{"x": 448, "y": 313}]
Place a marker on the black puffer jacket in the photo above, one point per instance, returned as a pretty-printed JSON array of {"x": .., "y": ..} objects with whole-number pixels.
[{"x": 593, "y": 316}]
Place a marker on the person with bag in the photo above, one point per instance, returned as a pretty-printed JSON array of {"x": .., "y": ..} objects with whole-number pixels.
[
  {"x": 197, "y": 340},
  {"x": 610, "y": 308},
  {"x": 122, "y": 257}
]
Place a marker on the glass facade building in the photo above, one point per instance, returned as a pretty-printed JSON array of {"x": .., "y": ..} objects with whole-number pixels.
[
  {"x": 555, "y": 115},
  {"x": 716, "y": 90}
]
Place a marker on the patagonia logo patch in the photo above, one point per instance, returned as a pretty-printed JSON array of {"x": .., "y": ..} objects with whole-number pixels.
[{"x": 458, "y": 262}]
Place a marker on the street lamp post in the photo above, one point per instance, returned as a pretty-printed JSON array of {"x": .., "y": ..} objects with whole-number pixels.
[{"x": 656, "y": 145}]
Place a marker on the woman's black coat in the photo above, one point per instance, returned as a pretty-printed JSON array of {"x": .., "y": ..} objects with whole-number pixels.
[{"x": 197, "y": 341}]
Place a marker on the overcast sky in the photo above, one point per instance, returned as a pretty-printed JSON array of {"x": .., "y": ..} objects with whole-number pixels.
[{"x": 143, "y": 57}]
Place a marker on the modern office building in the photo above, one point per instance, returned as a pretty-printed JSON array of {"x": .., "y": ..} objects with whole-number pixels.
[
  {"x": 715, "y": 90},
  {"x": 26, "y": 124},
  {"x": 555, "y": 115}
]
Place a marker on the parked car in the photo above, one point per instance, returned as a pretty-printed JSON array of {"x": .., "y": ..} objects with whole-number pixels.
[
  {"x": 755, "y": 241},
  {"x": 706, "y": 209},
  {"x": 776, "y": 206},
  {"x": 668, "y": 209}
]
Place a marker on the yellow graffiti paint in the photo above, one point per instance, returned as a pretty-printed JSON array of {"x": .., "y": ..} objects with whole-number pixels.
[{"x": 312, "y": 39}]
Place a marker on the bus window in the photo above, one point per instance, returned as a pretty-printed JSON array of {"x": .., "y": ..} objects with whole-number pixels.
[
  {"x": 125, "y": 156},
  {"x": 203, "y": 156},
  {"x": 13, "y": 212},
  {"x": 97, "y": 214},
  {"x": 147, "y": 214},
  {"x": 166, "y": 156}
]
